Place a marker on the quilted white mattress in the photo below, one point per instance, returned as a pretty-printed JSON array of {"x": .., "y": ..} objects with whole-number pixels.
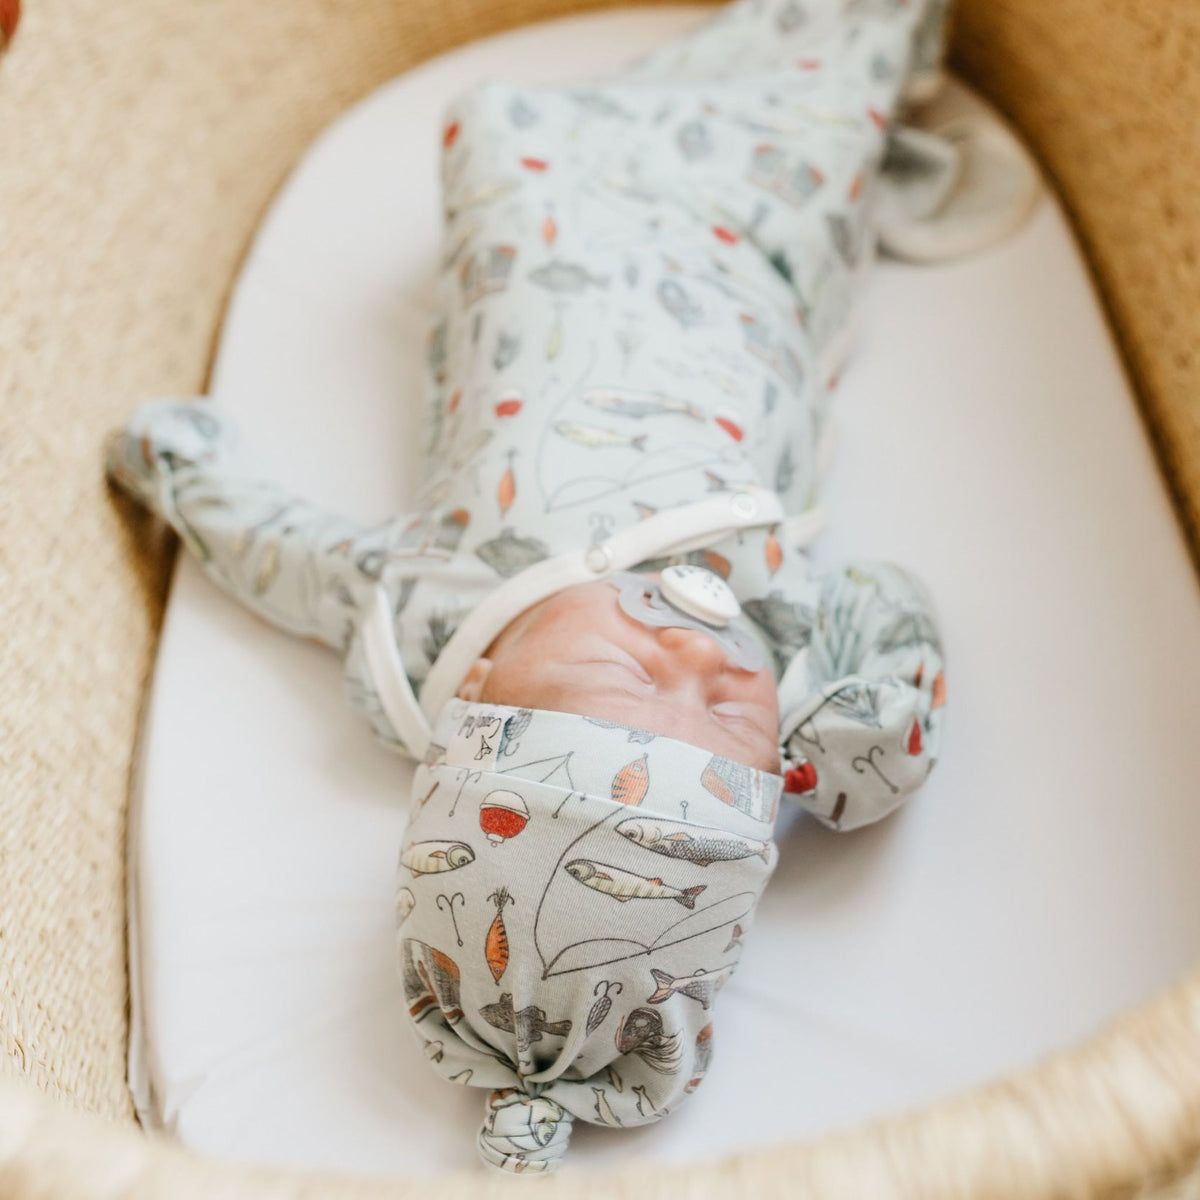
[{"x": 1044, "y": 879}]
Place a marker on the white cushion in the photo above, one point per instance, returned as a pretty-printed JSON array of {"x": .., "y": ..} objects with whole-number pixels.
[{"x": 1044, "y": 879}]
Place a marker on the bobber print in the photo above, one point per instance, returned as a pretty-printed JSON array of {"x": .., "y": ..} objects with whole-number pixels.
[{"x": 502, "y": 815}]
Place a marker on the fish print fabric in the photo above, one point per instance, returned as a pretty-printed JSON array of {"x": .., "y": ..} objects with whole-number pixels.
[
  {"x": 573, "y": 896},
  {"x": 645, "y": 287}
]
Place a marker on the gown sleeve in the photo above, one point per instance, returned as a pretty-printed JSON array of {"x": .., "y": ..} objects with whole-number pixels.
[
  {"x": 862, "y": 692},
  {"x": 291, "y": 563}
]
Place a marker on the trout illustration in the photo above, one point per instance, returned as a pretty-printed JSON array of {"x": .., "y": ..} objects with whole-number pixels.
[{"x": 625, "y": 885}]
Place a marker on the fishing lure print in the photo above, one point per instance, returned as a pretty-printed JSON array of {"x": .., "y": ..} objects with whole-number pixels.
[
  {"x": 405, "y": 903},
  {"x": 509, "y": 404},
  {"x": 449, "y": 907},
  {"x": 865, "y": 762},
  {"x": 433, "y": 857},
  {"x": 603, "y": 1003},
  {"x": 742, "y": 787},
  {"x": 506, "y": 492},
  {"x": 502, "y": 815},
  {"x": 641, "y": 1032},
  {"x": 701, "y": 1058},
  {"x": 495, "y": 944},
  {"x": 559, "y": 276},
  {"x": 773, "y": 551},
  {"x": 507, "y": 554},
  {"x": 631, "y": 782}
]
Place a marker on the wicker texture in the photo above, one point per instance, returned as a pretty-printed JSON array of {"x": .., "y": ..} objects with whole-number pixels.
[
  {"x": 1109, "y": 96},
  {"x": 139, "y": 145}
]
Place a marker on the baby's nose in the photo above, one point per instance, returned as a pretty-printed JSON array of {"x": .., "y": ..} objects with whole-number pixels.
[{"x": 699, "y": 650}]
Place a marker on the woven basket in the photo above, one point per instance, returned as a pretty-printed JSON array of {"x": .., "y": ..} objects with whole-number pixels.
[{"x": 140, "y": 141}]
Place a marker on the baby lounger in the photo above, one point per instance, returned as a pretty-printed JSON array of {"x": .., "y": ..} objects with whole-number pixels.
[{"x": 1024, "y": 899}]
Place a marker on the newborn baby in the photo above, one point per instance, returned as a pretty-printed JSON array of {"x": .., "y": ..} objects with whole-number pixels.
[{"x": 598, "y": 630}]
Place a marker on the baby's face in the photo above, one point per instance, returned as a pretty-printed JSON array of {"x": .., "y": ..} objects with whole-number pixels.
[{"x": 578, "y": 652}]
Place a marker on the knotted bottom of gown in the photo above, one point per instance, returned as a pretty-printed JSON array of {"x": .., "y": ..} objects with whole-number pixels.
[{"x": 523, "y": 1133}]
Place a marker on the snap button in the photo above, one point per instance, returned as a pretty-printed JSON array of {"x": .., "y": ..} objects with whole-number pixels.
[
  {"x": 743, "y": 506},
  {"x": 599, "y": 559}
]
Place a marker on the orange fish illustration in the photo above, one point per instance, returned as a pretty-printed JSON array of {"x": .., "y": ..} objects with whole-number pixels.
[
  {"x": 774, "y": 553},
  {"x": 630, "y": 783},
  {"x": 495, "y": 946},
  {"x": 534, "y": 164},
  {"x": 939, "y": 689},
  {"x": 731, "y": 427},
  {"x": 549, "y": 230},
  {"x": 506, "y": 493},
  {"x": 919, "y": 675},
  {"x": 856, "y": 187},
  {"x": 509, "y": 406},
  {"x": 450, "y": 134},
  {"x": 725, "y": 235},
  {"x": 914, "y": 738},
  {"x": 717, "y": 563},
  {"x": 452, "y": 407}
]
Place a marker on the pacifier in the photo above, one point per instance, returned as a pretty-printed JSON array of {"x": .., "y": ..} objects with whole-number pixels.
[{"x": 687, "y": 597}]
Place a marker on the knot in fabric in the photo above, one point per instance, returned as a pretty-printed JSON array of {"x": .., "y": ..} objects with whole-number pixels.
[{"x": 523, "y": 1133}]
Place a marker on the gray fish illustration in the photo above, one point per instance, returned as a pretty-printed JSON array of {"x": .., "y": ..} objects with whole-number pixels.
[
  {"x": 434, "y": 1051},
  {"x": 785, "y": 470},
  {"x": 521, "y": 113},
  {"x": 641, "y": 1032},
  {"x": 508, "y": 346},
  {"x": 736, "y": 938},
  {"x": 845, "y": 242},
  {"x": 430, "y": 858},
  {"x": 859, "y": 701},
  {"x": 486, "y": 271},
  {"x": 694, "y": 140},
  {"x": 701, "y": 987},
  {"x": 677, "y": 302},
  {"x": 559, "y": 276},
  {"x": 596, "y": 102},
  {"x": 507, "y": 554},
  {"x": 440, "y": 630},
  {"x": 405, "y": 903},
  {"x": 625, "y": 402},
  {"x": 529, "y": 1024},
  {"x": 625, "y": 885},
  {"x": 784, "y": 621},
  {"x": 908, "y": 629},
  {"x": 791, "y": 16},
  {"x": 675, "y": 839},
  {"x": 593, "y": 437},
  {"x": 641, "y": 736}
]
